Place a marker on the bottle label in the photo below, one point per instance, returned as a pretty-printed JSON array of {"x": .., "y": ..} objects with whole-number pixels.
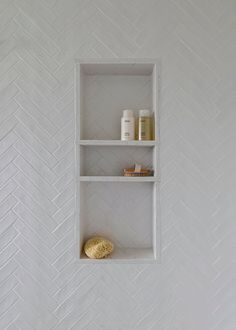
[
  {"x": 127, "y": 129},
  {"x": 144, "y": 128}
]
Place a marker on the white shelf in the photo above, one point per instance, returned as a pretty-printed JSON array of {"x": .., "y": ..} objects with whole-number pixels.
[
  {"x": 118, "y": 179},
  {"x": 122, "y": 255},
  {"x": 117, "y": 143}
]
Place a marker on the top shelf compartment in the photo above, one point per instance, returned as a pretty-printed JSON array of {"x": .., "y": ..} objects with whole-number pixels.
[{"x": 106, "y": 89}]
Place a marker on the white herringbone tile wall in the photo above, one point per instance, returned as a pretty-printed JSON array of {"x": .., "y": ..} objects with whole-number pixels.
[{"x": 41, "y": 285}]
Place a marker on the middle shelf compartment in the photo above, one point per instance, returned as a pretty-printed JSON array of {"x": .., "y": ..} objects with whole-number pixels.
[{"x": 110, "y": 161}]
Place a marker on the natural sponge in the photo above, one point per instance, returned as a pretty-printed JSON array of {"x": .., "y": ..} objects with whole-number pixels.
[{"x": 98, "y": 247}]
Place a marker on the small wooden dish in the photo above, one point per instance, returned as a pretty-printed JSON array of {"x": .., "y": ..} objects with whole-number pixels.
[{"x": 142, "y": 172}]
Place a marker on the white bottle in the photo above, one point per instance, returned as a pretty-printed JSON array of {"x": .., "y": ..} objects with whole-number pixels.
[{"x": 127, "y": 125}]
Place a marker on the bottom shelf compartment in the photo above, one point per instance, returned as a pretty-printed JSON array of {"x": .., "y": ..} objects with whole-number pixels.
[
  {"x": 123, "y": 213},
  {"x": 124, "y": 255}
]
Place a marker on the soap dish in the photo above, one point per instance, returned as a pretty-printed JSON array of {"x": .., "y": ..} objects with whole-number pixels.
[{"x": 137, "y": 171}]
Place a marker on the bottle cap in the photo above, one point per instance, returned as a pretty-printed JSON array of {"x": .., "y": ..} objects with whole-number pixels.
[
  {"x": 128, "y": 113},
  {"x": 144, "y": 113}
]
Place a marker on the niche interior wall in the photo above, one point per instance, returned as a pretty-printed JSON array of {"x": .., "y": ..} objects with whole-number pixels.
[{"x": 42, "y": 285}]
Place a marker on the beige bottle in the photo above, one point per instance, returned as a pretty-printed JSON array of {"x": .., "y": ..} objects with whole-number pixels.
[{"x": 144, "y": 125}]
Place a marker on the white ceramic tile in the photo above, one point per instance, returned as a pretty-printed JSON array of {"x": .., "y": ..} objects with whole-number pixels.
[{"x": 193, "y": 288}]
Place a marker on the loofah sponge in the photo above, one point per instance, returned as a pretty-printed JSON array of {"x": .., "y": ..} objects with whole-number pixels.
[{"x": 98, "y": 247}]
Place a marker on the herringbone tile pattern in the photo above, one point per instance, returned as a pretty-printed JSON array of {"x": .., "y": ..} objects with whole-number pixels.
[{"x": 42, "y": 286}]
